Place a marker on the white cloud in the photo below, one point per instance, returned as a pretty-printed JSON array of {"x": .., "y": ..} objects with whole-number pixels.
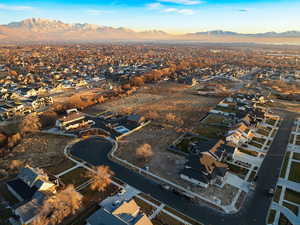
[
  {"x": 180, "y": 11},
  {"x": 154, "y": 5},
  {"x": 183, "y": 2},
  {"x": 15, "y": 7}
]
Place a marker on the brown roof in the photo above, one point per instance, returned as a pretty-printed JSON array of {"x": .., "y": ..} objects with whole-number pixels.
[
  {"x": 216, "y": 146},
  {"x": 210, "y": 162},
  {"x": 127, "y": 208}
]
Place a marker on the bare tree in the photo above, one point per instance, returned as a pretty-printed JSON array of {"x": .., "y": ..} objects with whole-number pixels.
[
  {"x": 30, "y": 123},
  {"x": 102, "y": 178},
  {"x": 59, "y": 206},
  {"x": 144, "y": 151},
  {"x": 15, "y": 164}
]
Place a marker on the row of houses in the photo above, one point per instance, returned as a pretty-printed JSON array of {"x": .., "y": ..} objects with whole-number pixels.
[
  {"x": 12, "y": 108},
  {"x": 33, "y": 186},
  {"x": 207, "y": 163}
]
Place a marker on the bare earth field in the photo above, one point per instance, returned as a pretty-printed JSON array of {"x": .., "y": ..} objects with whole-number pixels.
[
  {"x": 161, "y": 100},
  {"x": 37, "y": 150}
]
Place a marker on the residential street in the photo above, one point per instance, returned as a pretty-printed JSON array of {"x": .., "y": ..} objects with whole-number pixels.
[{"x": 95, "y": 151}]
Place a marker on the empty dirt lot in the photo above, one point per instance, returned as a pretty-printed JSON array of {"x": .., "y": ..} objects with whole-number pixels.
[{"x": 157, "y": 100}]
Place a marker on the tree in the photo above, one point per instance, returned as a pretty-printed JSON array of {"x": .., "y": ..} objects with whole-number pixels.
[
  {"x": 102, "y": 178},
  {"x": 144, "y": 152},
  {"x": 58, "y": 206},
  {"x": 30, "y": 123},
  {"x": 136, "y": 81}
]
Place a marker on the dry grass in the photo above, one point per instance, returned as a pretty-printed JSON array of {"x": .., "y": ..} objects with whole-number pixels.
[{"x": 37, "y": 150}]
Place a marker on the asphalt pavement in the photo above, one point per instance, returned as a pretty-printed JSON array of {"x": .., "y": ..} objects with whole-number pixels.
[{"x": 95, "y": 151}]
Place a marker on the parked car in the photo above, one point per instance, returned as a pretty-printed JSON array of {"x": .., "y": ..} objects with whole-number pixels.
[
  {"x": 166, "y": 187},
  {"x": 270, "y": 192}
]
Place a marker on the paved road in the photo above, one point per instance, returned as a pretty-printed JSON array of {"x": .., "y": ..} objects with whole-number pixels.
[{"x": 95, "y": 151}]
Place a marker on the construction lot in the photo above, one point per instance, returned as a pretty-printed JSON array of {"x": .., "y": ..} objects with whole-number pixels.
[{"x": 173, "y": 109}]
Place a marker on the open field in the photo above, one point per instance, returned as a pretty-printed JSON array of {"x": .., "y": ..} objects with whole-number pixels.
[
  {"x": 156, "y": 101},
  {"x": 37, "y": 150}
]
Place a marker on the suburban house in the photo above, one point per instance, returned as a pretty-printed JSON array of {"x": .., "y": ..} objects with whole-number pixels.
[
  {"x": 207, "y": 167},
  {"x": 70, "y": 120},
  {"x": 118, "y": 211},
  {"x": 203, "y": 170},
  {"x": 29, "y": 210},
  {"x": 29, "y": 181},
  {"x": 240, "y": 134},
  {"x": 31, "y": 188}
]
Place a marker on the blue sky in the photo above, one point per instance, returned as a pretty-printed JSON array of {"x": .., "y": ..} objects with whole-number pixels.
[{"x": 174, "y": 16}]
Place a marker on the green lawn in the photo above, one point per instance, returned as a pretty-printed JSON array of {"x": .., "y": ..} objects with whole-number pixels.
[
  {"x": 294, "y": 174},
  {"x": 284, "y": 165},
  {"x": 292, "y": 196},
  {"x": 291, "y": 207}
]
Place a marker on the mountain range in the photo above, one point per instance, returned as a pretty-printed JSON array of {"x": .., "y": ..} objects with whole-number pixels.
[{"x": 45, "y": 30}]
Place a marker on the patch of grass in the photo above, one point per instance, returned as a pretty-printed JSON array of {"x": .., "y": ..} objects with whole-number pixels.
[
  {"x": 296, "y": 155},
  {"x": 291, "y": 139},
  {"x": 183, "y": 145},
  {"x": 259, "y": 140},
  {"x": 271, "y": 216},
  {"x": 211, "y": 131},
  {"x": 255, "y": 144},
  {"x": 145, "y": 207},
  {"x": 149, "y": 198},
  {"x": 163, "y": 219},
  {"x": 283, "y": 220},
  {"x": 271, "y": 121},
  {"x": 182, "y": 216},
  {"x": 262, "y": 132},
  {"x": 90, "y": 195},
  {"x": 225, "y": 109},
  {"x": 294, "y": 174},
  {"x": 75, "y": 177},
  {"x": 238, "y": 170},
  {"x": 292, "y": 196},
  {"x": 214, "y": 119},
  {"x": 248, "y": 152},
  {"x": 277, "y": 194},
  {"x": 284, "y": 165},
  {"x": 252, "y": 175},
  {"x": 82, "y": 216},
  {"x": 291, "y": 207},
  {"x": 62, "y": 166}
]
